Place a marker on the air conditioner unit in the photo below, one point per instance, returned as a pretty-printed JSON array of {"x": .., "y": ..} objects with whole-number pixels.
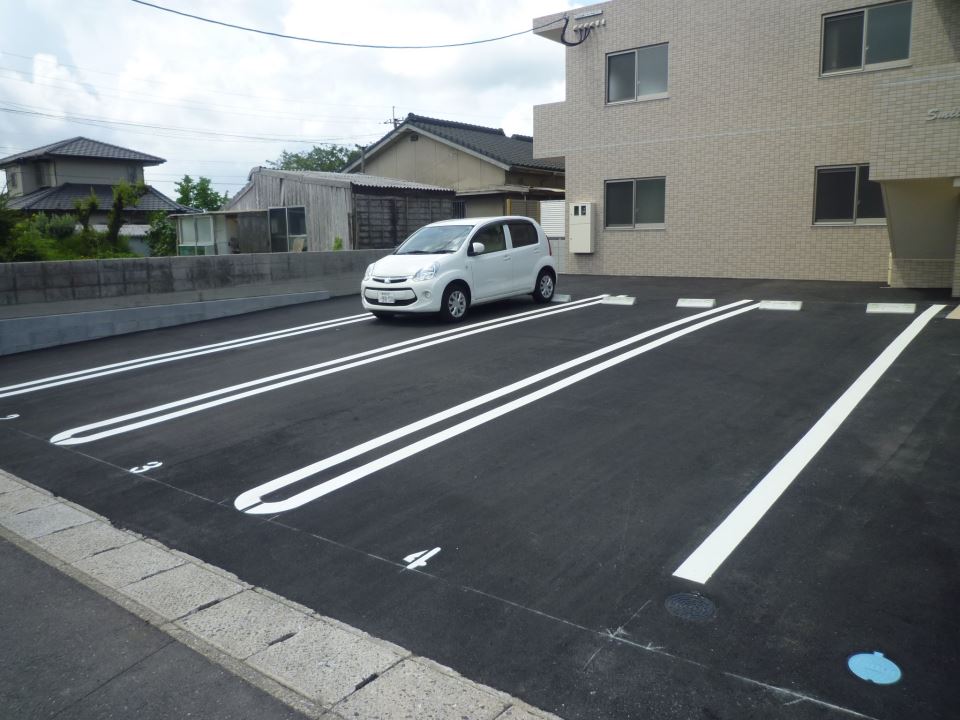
[{"x": 580, "y": 228}]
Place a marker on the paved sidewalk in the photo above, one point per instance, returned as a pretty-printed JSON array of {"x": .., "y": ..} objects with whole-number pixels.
[
  {"x": 102, "y": 623},
  {"x": 68, "y": 652}
]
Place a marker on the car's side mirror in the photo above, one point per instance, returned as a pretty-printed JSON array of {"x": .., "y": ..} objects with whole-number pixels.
[{"x": 477, "y": 248}]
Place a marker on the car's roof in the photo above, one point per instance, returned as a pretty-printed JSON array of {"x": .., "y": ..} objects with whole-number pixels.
[{"x": 479, "y": 220}]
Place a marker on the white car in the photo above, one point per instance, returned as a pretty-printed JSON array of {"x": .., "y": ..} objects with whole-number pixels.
[{"x": 447, "y": 266}]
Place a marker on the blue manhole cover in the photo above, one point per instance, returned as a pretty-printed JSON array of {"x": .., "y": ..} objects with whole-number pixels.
[{"x": 874, "y": 667}]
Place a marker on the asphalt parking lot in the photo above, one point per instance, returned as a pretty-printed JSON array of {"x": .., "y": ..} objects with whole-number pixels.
[{"x": 610, "y": 511}]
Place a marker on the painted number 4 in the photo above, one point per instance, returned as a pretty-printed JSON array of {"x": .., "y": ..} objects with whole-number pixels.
[{"x": 419, "y": 559}]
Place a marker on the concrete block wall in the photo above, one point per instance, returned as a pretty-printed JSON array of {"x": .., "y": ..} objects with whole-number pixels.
[
  {"x": 42, "y": 282},
  {"x": 747, "y": 122}
]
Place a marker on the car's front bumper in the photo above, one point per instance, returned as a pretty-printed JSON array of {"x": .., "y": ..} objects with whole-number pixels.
[{"x": 406, "y": 297}]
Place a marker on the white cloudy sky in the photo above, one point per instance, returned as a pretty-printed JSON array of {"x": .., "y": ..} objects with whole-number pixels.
[{"x": 135, "y": 66}]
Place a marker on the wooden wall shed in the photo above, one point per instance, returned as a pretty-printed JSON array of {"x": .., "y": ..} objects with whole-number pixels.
[{"x": 364, "y": 211}]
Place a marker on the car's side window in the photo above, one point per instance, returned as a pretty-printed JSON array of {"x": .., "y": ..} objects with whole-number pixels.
[
  {"x": 523, "y": 234},
  {"x": 492, "y": 238}
]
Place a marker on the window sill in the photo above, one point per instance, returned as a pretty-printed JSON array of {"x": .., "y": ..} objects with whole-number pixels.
[
  {"x": 641, "y": 99},
  {"x": 892, "y": 65},
  {"x": 651, "y": 226},
  {"x": 858, "y": 223}
]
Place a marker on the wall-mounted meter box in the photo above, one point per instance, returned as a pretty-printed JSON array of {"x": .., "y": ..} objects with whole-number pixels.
[{"x": 580, "y": 228}]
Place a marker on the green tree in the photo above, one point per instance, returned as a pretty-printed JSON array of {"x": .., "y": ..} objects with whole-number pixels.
[
  {"x": 29, "y": 241},
  {"x": 332, "y": 158},
  {"x": 162, "y": 235},
  {"x": 124, "y": 195},
  {"x": 8, "y": 219},
  {"x": 199, "y": 194},
  {"x": 85, "y": 208}
]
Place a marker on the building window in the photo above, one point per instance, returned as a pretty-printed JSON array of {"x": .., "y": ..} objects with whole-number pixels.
[
  {"x": 195, "y": 235},
  {"x": 639, "y": 74},
  {"x": 636, "y": 203},
  {"x": 459, "y": 209},
  {"x": 866, "y": 39},
  {"x": 288, "y": 229},
  {"x": 846, "y": 194}
]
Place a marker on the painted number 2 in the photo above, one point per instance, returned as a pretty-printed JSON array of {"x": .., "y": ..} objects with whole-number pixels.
[
  {"x": 149, "y": 466},
  {"x": 14, "y": 416}
]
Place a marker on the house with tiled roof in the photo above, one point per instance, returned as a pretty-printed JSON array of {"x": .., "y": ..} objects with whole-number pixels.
[
  {"x": 493, "y": 173},
  {"x": 53, "y": 177}
]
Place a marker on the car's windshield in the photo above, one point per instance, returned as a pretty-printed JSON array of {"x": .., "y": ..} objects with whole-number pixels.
[{"x": 435, "y": 239}]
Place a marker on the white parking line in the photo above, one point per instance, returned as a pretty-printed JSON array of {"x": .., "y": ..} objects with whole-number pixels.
[
  {"x": 293, "y": 377},
  {"x": 718, "y": 546},
  {"x": 135, "y": 363},
  {"x": 252, "y": 503}
]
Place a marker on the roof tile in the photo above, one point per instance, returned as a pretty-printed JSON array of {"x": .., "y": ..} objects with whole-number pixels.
[
  {"x": 83, "y": 147},
  {"x": 63, "y": 197}
]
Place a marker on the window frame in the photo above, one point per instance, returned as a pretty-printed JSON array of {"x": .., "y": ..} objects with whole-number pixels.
[
  {"x": 864, "y": 67},
  {"x": 633, "y": 204},
  {"x": 288, "y": 236},
  {"x": 636, "y": 76},
  {"x": 193, "y": 243},
  {"x": 855, "y": 222}
]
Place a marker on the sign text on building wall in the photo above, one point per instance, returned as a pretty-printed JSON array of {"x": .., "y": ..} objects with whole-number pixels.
[{"x": 938, "y": 114}]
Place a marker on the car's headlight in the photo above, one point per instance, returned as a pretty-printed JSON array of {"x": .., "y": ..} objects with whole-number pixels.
[
  {"x": 427, "y": 272},
  {"x": 369, "y": 273}
]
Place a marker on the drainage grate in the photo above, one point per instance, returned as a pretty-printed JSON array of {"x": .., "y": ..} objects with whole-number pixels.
[{"x": 691, "y": 606}]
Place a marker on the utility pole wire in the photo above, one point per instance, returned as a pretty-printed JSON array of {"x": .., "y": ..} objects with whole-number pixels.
[{"x": 333, "y": 42}]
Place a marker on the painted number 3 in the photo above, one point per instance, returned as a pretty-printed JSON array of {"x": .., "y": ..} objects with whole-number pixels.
[{"x": 149, "y": 466}]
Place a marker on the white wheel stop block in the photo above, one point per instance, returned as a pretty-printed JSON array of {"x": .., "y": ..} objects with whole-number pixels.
[
  {"x": 696, "y": 303},
  {"x": 894, "y": 308},
  {"x": 618, "y": 300},
  {"x": 793, "y": 305}
]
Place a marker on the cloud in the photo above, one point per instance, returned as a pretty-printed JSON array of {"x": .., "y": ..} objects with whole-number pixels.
[{"x": 135, "y": 65}]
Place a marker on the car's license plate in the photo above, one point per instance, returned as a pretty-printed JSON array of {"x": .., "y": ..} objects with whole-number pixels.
[{"x": 386, "y": 298}]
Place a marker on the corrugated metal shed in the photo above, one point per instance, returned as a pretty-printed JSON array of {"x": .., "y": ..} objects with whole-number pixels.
[{"x": 340, "y": 205}]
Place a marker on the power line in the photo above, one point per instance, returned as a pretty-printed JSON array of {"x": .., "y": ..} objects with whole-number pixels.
[
  {"x": 302, "y": 101},
  {"x": 186, "y": 105},
  {"x": 209, "y": 135},
  {"x": 196, "y": 87},
  {"x": 334, "y": 42}
]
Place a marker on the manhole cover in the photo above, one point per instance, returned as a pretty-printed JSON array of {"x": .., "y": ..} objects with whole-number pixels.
[
  {"x": 874, "y": 667},
  {"x": 691, "y": 606}
]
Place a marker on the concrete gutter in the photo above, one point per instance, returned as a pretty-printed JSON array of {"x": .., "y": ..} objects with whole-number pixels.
[{"x": 317, "y": 665}]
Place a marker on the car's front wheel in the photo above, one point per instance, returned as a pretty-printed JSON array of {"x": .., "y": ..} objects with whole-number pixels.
[
  {"x": 454, "y": 303},
  {"x": 546, "y": 284}
]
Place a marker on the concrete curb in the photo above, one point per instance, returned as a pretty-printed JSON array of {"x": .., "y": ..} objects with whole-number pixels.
[
  {"x": 315, "y": 664},
  {"x": 40, "y": 331}
]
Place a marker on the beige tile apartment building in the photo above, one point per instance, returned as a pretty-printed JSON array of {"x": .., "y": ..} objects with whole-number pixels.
[{"x": 810, "y": 139}]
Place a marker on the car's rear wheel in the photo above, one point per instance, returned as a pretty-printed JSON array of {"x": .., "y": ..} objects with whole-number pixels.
[
  {"x": 454, "y": 303},
  {"x": 546, "y": 284}
]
